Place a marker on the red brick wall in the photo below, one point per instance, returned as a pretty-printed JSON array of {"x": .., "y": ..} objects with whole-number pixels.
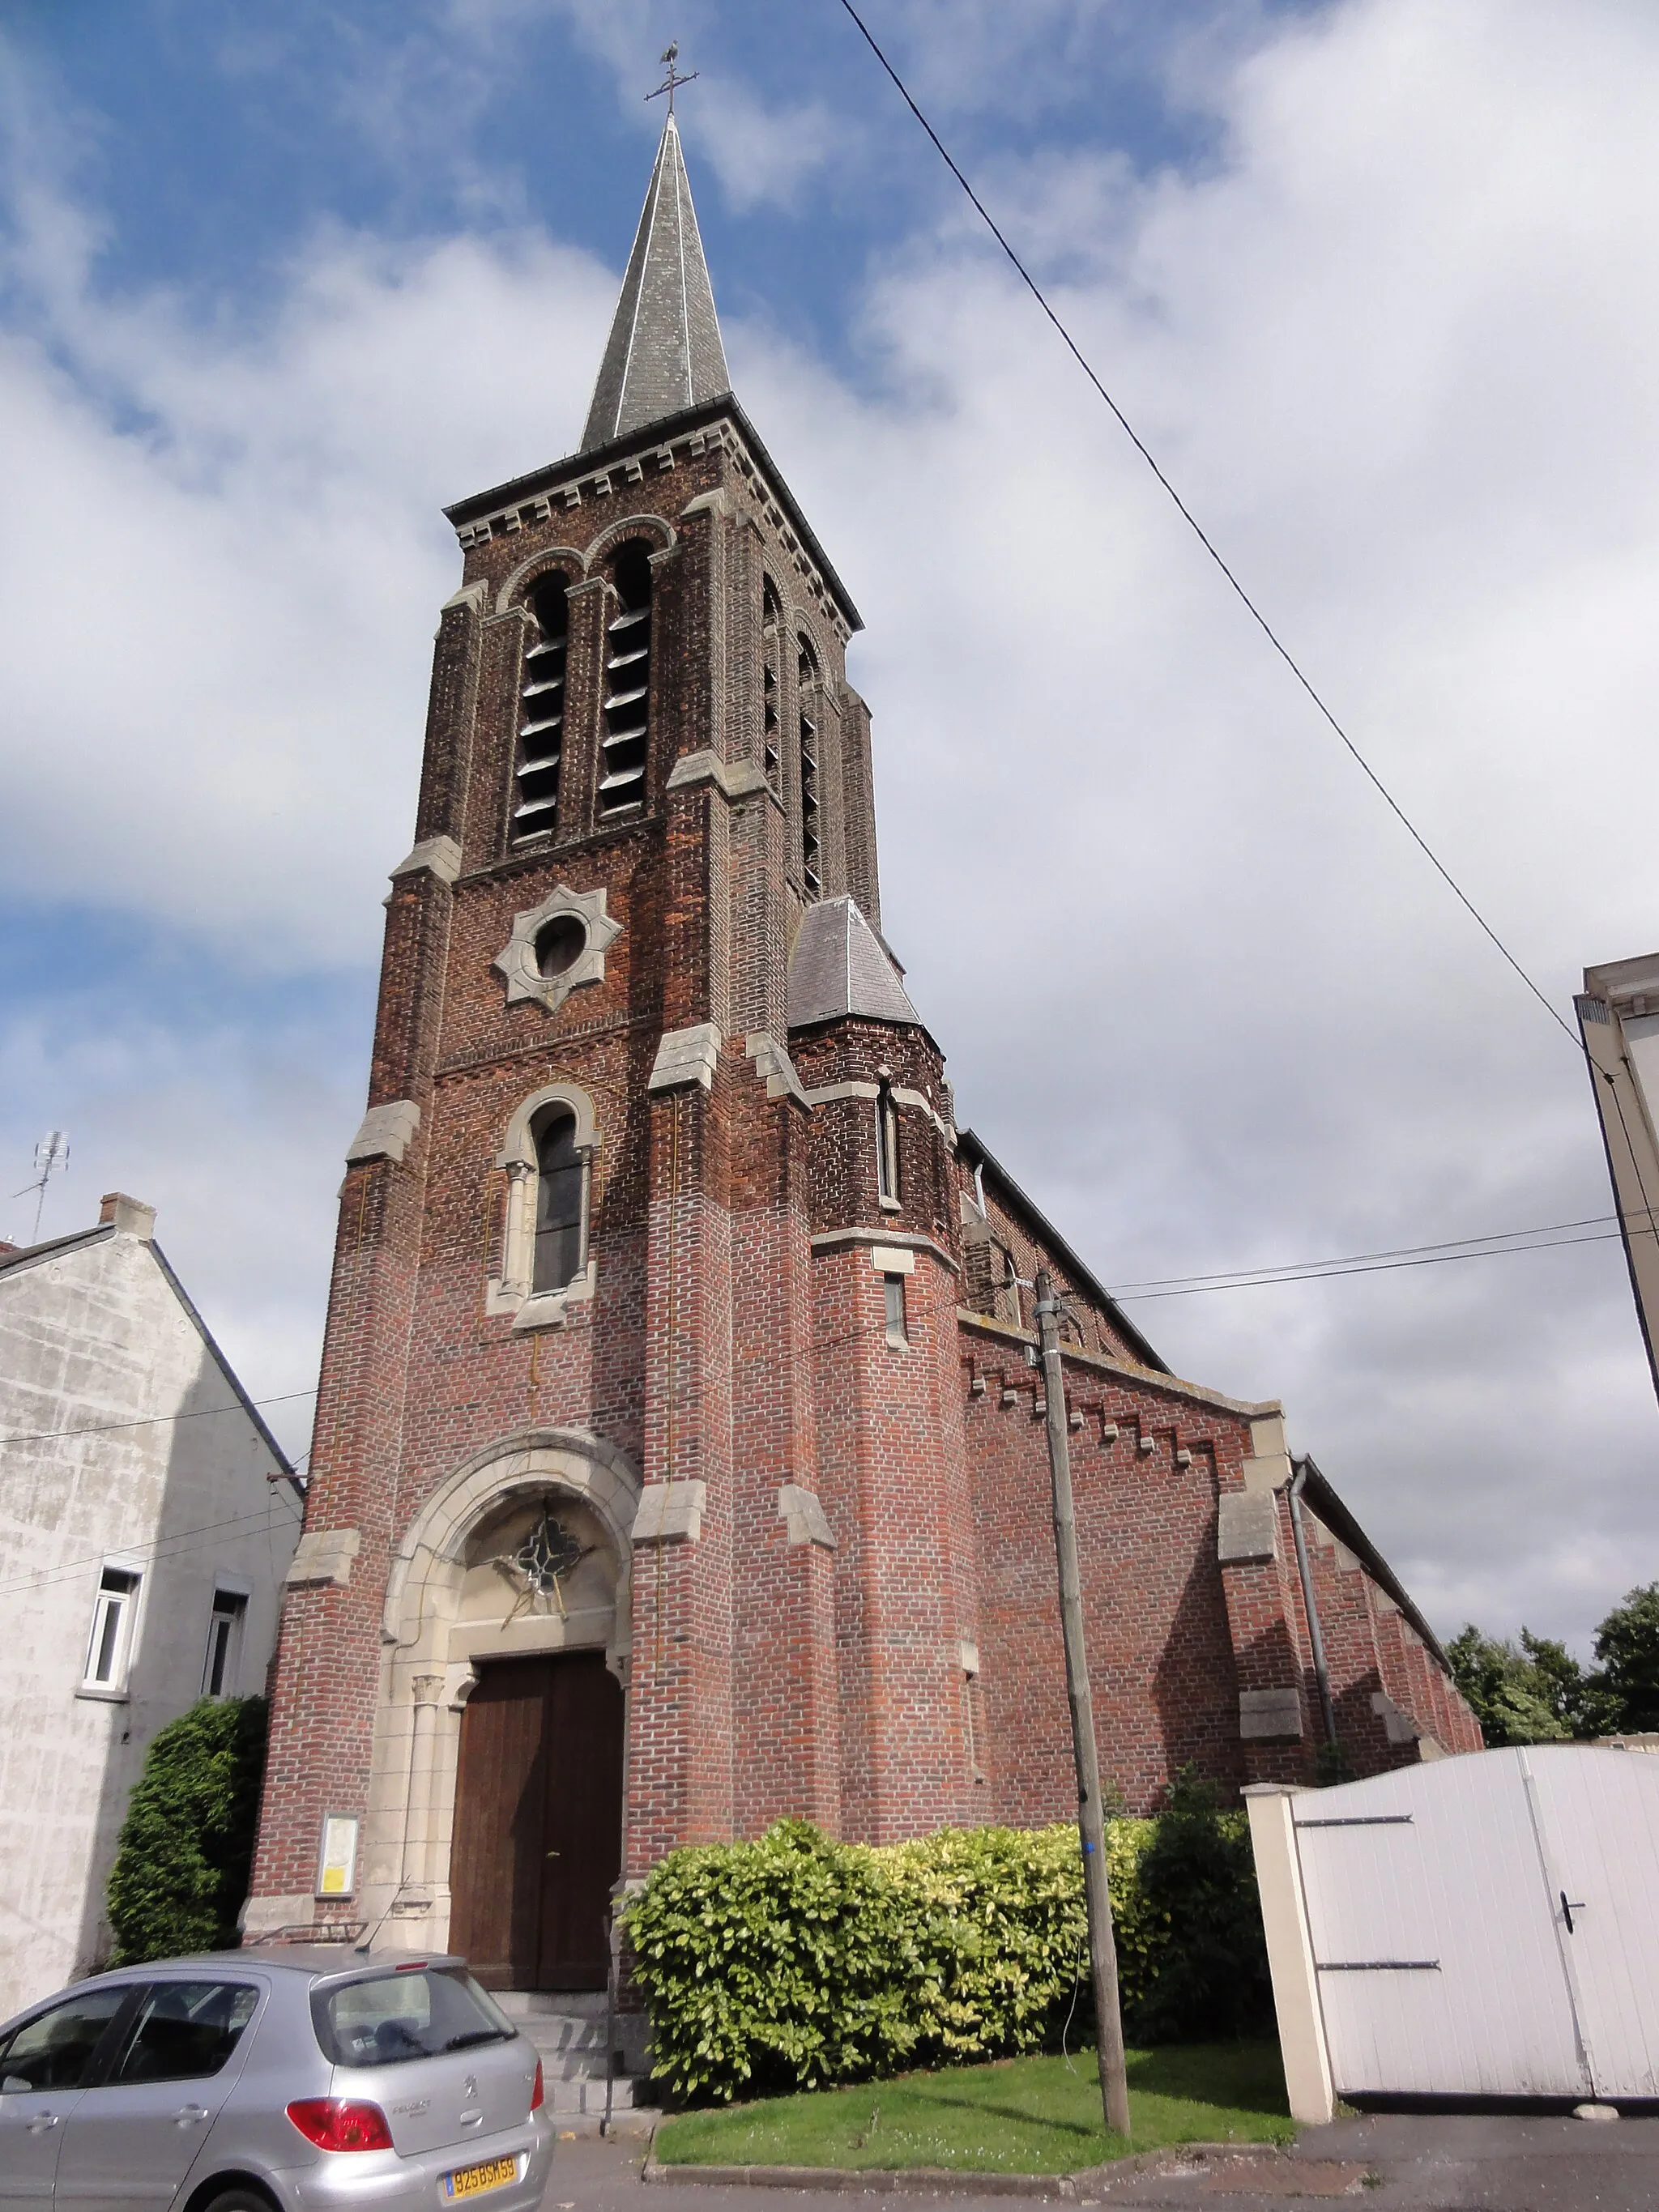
[{"x": 737, "y": 1336}]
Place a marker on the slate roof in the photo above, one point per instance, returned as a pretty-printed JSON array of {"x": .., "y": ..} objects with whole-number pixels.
[
  {"x": 839, "y": 966},
  {"x": 664, "y": 353}
]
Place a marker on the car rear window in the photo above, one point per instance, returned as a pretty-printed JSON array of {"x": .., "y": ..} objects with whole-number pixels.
[{"x": 417, "y": 2012}]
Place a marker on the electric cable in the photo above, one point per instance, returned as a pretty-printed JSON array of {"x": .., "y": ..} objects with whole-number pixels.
[
  {"x": 1376, "y": 1267},
  {"x": 1203, "y": 539},
  {"x": 153, "y": 1421},
  {"x": 161, "y": 1549},
  {"x": 1503, "y": 1238}
]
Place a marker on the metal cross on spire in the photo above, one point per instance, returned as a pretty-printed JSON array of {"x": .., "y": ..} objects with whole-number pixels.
[{"x": 673, "y": 79}]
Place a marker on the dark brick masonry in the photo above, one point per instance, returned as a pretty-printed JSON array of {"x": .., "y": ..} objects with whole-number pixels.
[{"x": 739, "y": 1333}]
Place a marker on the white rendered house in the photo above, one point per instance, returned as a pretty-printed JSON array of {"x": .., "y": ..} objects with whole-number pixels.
[{"x": 147, "y": 1518}]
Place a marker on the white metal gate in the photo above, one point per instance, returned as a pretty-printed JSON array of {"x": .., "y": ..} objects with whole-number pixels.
[{"x": 1488, "y": 1926}]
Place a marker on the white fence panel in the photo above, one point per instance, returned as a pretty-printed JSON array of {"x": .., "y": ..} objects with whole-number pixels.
[
  {"x": 1439, "y": 1968},
  {"x": 1599, "y": 1814}
]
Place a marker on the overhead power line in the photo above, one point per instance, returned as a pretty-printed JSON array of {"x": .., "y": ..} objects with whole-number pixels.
[
  {"x": 170, "y": 1547},
  {"x": 1371, "y": 1268},
  {"x": 1207, "y": 543},
  {"x": 153, "y": 1421},
  {"x": 1502, "y": 1239}
]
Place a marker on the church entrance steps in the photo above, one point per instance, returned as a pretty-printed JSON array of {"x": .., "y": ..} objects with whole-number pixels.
[{"x": 567, "y": 2029}]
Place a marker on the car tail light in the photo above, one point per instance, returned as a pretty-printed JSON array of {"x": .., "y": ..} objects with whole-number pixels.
[
  {"x": 341, "y": 2124},
  {"x": 537, "y": 2093}
]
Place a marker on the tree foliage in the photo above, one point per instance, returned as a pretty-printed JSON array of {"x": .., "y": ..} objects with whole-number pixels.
[
  {"x": 794, "y": 1961},
  {"x": 181, "y": 1866},
  {"x": 1535, "y": 1692},
  {"x": 1627, "y": 1645}
]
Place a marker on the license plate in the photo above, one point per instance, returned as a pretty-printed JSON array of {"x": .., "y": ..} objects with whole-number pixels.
[{"x": 473, "y": 2180}]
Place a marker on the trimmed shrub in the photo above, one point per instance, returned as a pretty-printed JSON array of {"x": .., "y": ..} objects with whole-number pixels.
[
  {"x": 783, "y": 1962},
  {"x": 795, "y": 1961},
  {"x": 1209, "y": 1962},
  {"x": 181, "y": 1866}
]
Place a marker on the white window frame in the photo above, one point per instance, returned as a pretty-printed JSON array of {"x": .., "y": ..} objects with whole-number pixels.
[
  {"x": 125, "y": 1604},
  {"x": 230, "y": 1599}
]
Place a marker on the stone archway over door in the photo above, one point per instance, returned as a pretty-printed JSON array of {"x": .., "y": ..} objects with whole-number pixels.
[{"x": 537, "y": 1837}]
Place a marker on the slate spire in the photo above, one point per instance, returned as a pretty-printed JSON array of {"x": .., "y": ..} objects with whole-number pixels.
[{"x": 663, "y": 352}]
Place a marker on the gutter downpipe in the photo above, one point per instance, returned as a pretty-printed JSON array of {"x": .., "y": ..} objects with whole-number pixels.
[{"x": 1321, "y": 1672}]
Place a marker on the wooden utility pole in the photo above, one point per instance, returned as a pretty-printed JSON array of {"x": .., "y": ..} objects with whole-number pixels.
[{"x": 1091, "y": 1812}]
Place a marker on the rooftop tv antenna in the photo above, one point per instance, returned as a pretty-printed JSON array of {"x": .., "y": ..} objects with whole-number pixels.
[{"x": 50, "y": 1154}]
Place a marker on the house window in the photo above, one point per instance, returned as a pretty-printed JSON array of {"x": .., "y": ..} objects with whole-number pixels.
[
  {"x": 811, "y": 841},
  {"x": 627, "y": 685},
  {"x": 560, "y": 1173},
  {"x": 771, "y": 675},
  {"x": 224, "y": 1647},
  {"x": 897, "y": 1334},
  {"x": 109, "y": 1648},
  {"x": 541, "y": 716},
  {"x": 887, "y": 1150}
]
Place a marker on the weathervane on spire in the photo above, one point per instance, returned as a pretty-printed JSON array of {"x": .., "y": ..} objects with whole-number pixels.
[{"x": 673, "y": 79}]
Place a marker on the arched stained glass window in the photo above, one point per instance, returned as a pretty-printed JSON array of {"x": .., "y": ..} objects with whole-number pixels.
[{"x": 561, "y": 1170}]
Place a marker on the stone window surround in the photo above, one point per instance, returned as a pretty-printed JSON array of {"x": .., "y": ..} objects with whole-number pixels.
[
  {"x": 516, "y": 961},
  {"x": 510, "y": 1292}
]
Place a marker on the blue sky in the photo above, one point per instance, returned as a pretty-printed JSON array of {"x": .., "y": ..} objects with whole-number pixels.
[{"x": 275, "y": 282}]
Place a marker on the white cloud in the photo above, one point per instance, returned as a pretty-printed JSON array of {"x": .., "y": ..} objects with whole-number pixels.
[
  {"x": 225, "y": 563},
  {"x": 1196, "y": 984}
]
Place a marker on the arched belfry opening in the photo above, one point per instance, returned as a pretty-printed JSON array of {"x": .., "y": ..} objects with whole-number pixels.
[
  {"x": 625, "y": 743},
  {"x": 542, "y": 711}
]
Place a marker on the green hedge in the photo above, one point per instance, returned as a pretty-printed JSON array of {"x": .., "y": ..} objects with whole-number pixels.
[
  {"x": 181, "y": 1866},
  {"x": 795, "y": 1961}
]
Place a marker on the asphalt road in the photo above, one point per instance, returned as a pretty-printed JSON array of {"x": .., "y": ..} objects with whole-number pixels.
[{"x": 1392, "y": 2160}]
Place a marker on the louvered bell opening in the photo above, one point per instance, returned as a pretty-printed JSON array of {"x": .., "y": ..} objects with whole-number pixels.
[
  {"x": 541, "y": 715},
  {"x": 771, "y": 734},
  {"x": 809, "y": 804},
  {"x": 627, "y": 687}
]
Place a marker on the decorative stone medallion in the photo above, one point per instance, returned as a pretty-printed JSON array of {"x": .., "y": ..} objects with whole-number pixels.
[{"x": 557, "y": 946}]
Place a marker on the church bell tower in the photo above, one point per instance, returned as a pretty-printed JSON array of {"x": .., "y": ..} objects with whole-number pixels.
[{"x": 638, "y": 1511}]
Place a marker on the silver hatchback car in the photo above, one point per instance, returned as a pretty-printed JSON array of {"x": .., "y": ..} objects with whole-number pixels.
[{"x": 268, "y": 2080}]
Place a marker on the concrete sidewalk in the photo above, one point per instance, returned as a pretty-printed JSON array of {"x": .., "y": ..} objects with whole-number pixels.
[{"x": 1392, "y": 2161}]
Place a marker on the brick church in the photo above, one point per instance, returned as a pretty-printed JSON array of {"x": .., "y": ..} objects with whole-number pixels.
[{"x": 679, "y": 1459}]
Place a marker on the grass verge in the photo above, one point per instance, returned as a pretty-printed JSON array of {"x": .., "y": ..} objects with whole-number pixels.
[{"x": 1038, "y": 2115}]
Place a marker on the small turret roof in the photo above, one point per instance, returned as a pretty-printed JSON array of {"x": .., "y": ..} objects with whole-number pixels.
[
  {"x": 840, "y": 966},
  {"x": 664, "y": 354}
]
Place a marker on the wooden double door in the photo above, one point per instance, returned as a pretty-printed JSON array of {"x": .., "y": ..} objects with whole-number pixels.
[{"x": 538, "y": 1835}]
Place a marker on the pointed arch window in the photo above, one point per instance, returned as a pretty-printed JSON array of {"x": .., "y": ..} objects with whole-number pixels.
[
  {"x": 560, "y": 1205},
  {"x": 541, "y": 716},
  {"x": 627, "y": 685},
  {"x": 771, "y": 682},
  {"x": 806, "y": 670}
]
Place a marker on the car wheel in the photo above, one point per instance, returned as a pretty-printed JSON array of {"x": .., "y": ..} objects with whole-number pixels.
[{"x": 239, "y": 2197}]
